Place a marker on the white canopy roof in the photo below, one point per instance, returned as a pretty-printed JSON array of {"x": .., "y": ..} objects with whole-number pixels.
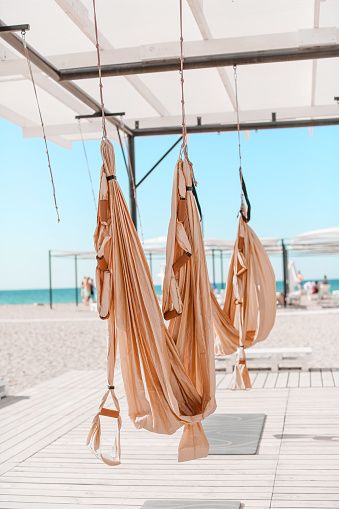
[
  {"x": 145, "y": 31},
  {"x": 324, "y": 241}
]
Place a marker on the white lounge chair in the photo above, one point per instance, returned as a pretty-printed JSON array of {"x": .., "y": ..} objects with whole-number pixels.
[{"x": 271, "y": 358}]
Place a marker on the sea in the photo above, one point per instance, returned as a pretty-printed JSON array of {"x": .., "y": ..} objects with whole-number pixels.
[{"x": 68, "y": 295}]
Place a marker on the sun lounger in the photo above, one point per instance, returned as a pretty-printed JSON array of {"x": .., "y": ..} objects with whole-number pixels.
[
  {"x": 271, "y": 358},
  {"x": 330, "y": 300}
]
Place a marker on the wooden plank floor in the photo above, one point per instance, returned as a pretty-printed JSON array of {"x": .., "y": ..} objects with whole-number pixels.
[
  {"x": 286, "y": 378},
  {"x": 44, "y": 463}
]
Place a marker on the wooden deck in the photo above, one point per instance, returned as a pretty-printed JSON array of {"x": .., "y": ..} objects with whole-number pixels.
[{"x": 44, "y": 463}]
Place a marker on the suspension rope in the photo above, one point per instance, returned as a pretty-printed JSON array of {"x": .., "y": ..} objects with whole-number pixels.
[
  {"x": 87, "y": 164},
  {"x": 104, "y": 130},
  {"x": 246, "y": 214},
  {"x": 183, "y": 111},
  {"x": 238, "y": 121},
  {"x": 23, "y": 35}
]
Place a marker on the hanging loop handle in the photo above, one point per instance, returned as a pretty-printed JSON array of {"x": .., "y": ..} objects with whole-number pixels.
[{"x": 244, "y": 211}]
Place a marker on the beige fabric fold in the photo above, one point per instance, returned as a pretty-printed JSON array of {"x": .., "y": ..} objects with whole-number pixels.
[
  {"x": 248, "y": 314},
  {"x": 168, "y": 374}
]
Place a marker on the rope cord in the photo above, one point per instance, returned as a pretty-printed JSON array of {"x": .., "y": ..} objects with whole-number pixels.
[
  {"x": 238, "y": 120},
  {"x": 246, "y": 215},
  {"x": 104, "y": 130},
  {"x": 183, "y": 111},
  {"x": 87, "y": 164},
  {"x": 23, "y": 34}
]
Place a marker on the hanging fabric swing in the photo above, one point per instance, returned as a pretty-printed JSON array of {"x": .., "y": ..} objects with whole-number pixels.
[
  {"x": 248, "y": 314},
  {"x": 168, "y": 383}
]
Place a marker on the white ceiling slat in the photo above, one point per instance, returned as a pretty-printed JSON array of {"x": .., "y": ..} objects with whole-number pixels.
[
  {"x": 198, "y": 13},
  {"x": 79, "y": 15},
  {"x": 16, "y": 118},
  {"x": 315, "y": 62},
  {"x": 147, "y": 52},
  {"x": 19, "y": 66}
]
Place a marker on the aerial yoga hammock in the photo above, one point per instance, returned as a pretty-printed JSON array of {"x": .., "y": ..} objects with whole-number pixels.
[
  {"x": 168, "y": 374},
  {"x": 248, "y": 314}
]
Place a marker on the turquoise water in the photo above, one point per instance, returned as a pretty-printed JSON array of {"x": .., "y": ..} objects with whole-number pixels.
[
  {"x": 59, "y": 295},
  {"x": 67, "y": 295}
]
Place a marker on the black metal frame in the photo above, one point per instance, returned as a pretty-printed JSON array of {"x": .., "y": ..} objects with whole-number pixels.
[
  {"x": 14, "y": 28},
  {"x": 64, "y": 76},
  {"x": 244, "y": 126},
  {"x": 203, "y": 62},
  {"x": 285, "y": 271}
]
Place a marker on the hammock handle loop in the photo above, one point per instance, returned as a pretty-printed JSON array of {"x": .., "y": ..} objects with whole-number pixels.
[
  {"x": 245, "y": 214},
  {"x": 244, "y": 211}
]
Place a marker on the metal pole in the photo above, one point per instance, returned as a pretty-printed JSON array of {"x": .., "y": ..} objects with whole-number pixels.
[
  {"x": 244, "y": 126},
  {"x": 158, "y": 162},
  {"x": 213, "y": 268},
  {"x": 50, "y": 279},
  {"x": 98, "y": 114},
  {"x": 76, "y": 279},
  {"x": 285, "y": 271},
  {"x": 221, "y": 271},
  {"x": 14, "y": 28},
  {"x": 132, "y": 189}
]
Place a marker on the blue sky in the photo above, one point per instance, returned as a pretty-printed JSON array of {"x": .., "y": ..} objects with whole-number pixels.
[{"x": 292, "y": 178}]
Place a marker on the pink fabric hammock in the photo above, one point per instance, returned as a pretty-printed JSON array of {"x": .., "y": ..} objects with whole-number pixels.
[
  {"x": 248, "y": 314},
  {"x": 168, "y": 374}
]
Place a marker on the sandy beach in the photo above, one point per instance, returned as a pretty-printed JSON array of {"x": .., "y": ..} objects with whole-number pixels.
[{"x": 38, "y": 344}]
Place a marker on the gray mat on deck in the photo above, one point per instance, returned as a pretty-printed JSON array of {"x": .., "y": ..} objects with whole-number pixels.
[
  {"x": 190, "y": 504},
  {"x": 234, "y": 433}
]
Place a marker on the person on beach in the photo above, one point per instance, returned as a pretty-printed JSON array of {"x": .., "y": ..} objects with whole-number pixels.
[
  {"x": 85, "y": 290},
  {"x": 91, "y": 289},
  {"x": 325, "y": 288},
  {"x": 300, "y": 279}
]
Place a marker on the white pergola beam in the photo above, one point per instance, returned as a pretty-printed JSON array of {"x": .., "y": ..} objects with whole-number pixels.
[
  {"x": 94, "y": 126},
  {"x": 18, "y": 67},
  {"x": 78, "y": 13},
  {"x": 325, "y": 36},
  {"x": 15, "y": 118},
  {"x": 320, "y": 36}
]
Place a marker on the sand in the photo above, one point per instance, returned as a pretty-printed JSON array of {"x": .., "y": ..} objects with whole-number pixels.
[{"x": 37, "y": 344}]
